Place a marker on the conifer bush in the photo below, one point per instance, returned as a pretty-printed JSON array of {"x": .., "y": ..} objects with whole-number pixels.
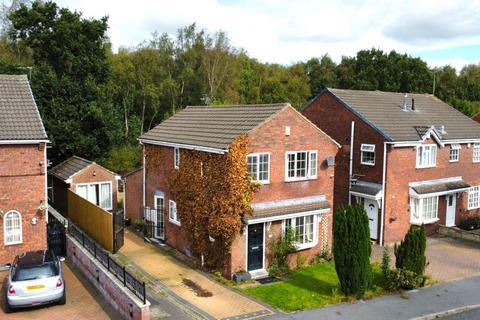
[
  {"x": 351, "y": 250},
  {"x": 410, "y": 254}
]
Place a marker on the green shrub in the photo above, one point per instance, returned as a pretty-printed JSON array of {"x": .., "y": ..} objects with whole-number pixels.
[
  {"x": 402, "y": 279},
  {"x": 351, "y": 250},
  {"x": 410, "y": 254},
  {"x": 386, "y": 262},
  {"x": 280, "y": 251},
  {"x": 470, "y": 223}
]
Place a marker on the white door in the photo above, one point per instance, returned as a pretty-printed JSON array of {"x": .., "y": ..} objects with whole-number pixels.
[
  {"x": 371, "y": 207},
  {"x": 451, "y": 200}
]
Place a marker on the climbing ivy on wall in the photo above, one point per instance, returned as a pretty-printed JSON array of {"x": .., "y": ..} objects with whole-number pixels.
[{"x": 213, "y": 193}]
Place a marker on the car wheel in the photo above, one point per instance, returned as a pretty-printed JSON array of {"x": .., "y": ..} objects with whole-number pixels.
[
  {"x": 63, "y": 299},
  {"x": 8, "y": 308}
]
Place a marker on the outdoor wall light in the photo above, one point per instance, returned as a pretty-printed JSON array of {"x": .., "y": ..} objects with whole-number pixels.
[
  {"x": 33, "y": 221},
  {"x": 43, "y": 206}
]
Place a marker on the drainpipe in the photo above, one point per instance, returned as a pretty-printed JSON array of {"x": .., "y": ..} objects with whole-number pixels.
[
  {"x": 383, "y": 191},
  {"x": 144, "y": 176},
  {"x": 350, "y": 172}
]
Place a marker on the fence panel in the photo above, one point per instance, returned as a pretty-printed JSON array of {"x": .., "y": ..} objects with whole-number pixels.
[{"x": 95, "y": 221}]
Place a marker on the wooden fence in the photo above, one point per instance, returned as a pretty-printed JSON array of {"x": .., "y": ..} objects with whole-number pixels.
[{"x": 95, "y": 221}]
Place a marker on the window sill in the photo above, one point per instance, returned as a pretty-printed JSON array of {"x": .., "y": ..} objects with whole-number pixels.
[
  {"x": 13, "y": 243},
  {"x": 306, "y": 246},
  {"x": 419, "y": 223},
  {"x": 368, "y": 164},
  {"x": 453, "y": 161},
  {"x": 175, "y": 222},
  {"x": 473, "y": 208},
  {"x": 301, "y": 179},
  {"x": 426, "y": 167},
  {"x": 261, "y": 182}
]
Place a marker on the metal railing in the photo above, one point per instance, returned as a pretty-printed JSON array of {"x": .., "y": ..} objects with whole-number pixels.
[
  {"x": 128, "y": 280},
  {"x": 154, "y": 223}
]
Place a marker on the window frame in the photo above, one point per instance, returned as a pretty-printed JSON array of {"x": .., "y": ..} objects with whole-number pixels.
[
  {"x": 476, "y": 152},
  {"x": 308, "y": 168},
  {"x": 174, "y": 219},
  {"x": 257, "y": 155},
  {"x": 420, "y": 151},
  {"x": 6, "y": 243},
  {"x": 366, "y": 145},
  {"x": 454, "y": 149},
  {"x": 99, "y": 192},
  {"x": 176, "y": 157},
  {"x": 475, "y": 203},
  {"x": 417, "y": 207},
  {"x": 303, "y": 246}
]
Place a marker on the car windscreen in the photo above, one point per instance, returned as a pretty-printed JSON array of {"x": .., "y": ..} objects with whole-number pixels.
[{"x": 45, "y": 270}]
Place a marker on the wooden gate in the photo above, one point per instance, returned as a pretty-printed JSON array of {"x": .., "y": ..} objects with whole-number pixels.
[{"x": 118, "y": 232}]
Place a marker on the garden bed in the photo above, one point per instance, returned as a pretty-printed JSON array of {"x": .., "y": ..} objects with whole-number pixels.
[{"x": 310, "y": 287}]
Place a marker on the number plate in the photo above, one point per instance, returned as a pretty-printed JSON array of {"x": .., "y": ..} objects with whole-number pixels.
[{"x": 38, "y": 286}]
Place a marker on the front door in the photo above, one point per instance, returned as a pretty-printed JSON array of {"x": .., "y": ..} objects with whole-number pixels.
[
  {"x": 158, "y": 217},
  {"x": 255, "y": 247},
  {"x": 451, "y": 207},
  {"x": 371, "y": 207}
]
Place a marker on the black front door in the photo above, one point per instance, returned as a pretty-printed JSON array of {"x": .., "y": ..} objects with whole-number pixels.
[{"x": 255, "y": 247}]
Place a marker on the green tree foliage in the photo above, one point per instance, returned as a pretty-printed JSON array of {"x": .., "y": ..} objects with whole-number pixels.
[
  {"x": 279, "y": 252},
  {"x": 410, "y": 254},
  {"x": 351, "y": 249},
  {"x": 123, "y": 159}
]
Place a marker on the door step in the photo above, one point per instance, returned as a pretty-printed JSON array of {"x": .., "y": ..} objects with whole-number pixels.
[{"x": 258, "y": 274}]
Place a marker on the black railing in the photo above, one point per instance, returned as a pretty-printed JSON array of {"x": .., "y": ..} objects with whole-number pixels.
[
  {"x": 128, "y": 280},
  {"x": 154, "y": 223}
]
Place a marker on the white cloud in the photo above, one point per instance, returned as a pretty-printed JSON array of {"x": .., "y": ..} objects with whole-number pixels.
[{"x": 286, "y": 31}]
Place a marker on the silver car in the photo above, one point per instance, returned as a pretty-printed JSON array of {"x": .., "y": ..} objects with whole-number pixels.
[{"x": 35, "y": 278}]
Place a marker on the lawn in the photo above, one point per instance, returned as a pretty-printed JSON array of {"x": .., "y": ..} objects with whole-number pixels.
[{"x": 310, "y": 287}]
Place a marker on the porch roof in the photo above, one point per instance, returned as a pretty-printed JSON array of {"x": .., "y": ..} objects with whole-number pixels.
[
  {"x": 440, "y": 187},
  {"x": 367, "y": 189},
  {"x": 276, "y": 212}
]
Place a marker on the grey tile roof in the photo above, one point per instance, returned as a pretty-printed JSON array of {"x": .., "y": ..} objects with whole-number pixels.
[
  {"x": 289, "y": 209},
  {"x": 441, "y": 187},
  {"x": 384, "y": 111},
  {"x": 366, "y": 189},
  {"x": 19, "y": 116},
  {"x": 69, "y": 167},
  {"x": 212, "y": 126}
]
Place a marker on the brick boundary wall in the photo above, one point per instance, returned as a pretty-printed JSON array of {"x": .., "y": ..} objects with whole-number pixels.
[
  {"x": 125, "y": 303},
  {"x": 457, "y": 233}
]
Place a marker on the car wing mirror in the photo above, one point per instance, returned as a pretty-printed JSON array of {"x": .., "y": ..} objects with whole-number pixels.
[{"x": 62, "y": 259}]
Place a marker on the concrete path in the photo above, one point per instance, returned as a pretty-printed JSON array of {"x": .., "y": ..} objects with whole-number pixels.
[
  {"x": 449, "y": 259},
  {"x": 188, "y": 284},
  {"x": 411, "y": 305}
]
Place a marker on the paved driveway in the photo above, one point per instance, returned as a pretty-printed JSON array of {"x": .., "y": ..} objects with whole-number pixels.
[
  {"x": 83, "y": 302},
  {"x": 449, "y": 259}
]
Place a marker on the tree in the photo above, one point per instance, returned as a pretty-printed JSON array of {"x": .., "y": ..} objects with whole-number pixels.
[
  {"x": 322, "y": 73},
  {"x": 69, "y": 73},
  {"x": 410, "y": 254},
  {"x": 352, "y": 249}
]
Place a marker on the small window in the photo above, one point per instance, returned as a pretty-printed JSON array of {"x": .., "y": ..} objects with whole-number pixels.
[
  {"x": 258, "y": 166},
  {"x": 172, "y": 212},
  {"x": 12, "y": 227},
  {"x": 476, "y": 152},
  {"x": 454, "y": 152},
  {"x": 426, "y": 156},
  {"x": 474, "y": 198},
  {"x": 368, "y": 154},
  {"x": 176, "y": 158},
  {"x": 301, "y": 165}
]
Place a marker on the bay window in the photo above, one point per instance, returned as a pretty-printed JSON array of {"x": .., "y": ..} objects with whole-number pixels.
[
  {"x": 474, "y": 197},
  {"x": 258, "y": 165},
  {"x": 424, "y": 210},
  {"x": 305, "y": 229},
  {"x": 301, "y": 165},
  {"x": 426, "y": 156}
]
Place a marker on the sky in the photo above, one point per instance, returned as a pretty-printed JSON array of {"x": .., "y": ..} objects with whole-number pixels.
[{"x": 287, "y": 31}]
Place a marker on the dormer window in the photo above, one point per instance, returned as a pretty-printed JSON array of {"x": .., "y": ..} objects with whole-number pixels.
[
  {"x": 426, "y": 156},
  {"x": 368, "y": 154}
]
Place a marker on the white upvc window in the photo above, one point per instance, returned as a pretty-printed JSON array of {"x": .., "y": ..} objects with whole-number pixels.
[
  {"x": 301, "y": 165},
  {"x": 476, "y": 152},
  {"x": 426, "y": 156},
  {"x": 455, "y": 152},
  {"x": 12, "y": 227},
  {"x": 99, "y": 193},
  {"x": 424, "y": 210},
  {"x": 474, "y": 197},
  {"x": 176, "y": 157},
  {"x": 258, "y": 165},
  {"x": 368, "y": 154},
  {"x": 305, "y": 229},
  {"x": 172, "y": 212}
]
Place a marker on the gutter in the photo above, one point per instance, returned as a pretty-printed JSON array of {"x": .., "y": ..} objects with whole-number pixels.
[{"x": 183, "y": 146}]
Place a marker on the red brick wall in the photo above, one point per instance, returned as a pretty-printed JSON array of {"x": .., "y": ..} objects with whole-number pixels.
[
  {"x": 335, "y": 119},
  {"x": 101, "y": 175},
  {"x": 133, "y": 192},
  {"x": 401, "y": 171},
  {"x": 22, "y": 188}
]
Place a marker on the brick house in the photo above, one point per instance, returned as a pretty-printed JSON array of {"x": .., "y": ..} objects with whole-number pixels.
[
  {"x": 23, "y": 171},
  {"x": 288, "y": 155},
  {"x": 476, "y": 117},
  {"x": 408, "y": 159},
  {"x": 133, "y": 193},
  {"x": 86, "y": 178}
]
